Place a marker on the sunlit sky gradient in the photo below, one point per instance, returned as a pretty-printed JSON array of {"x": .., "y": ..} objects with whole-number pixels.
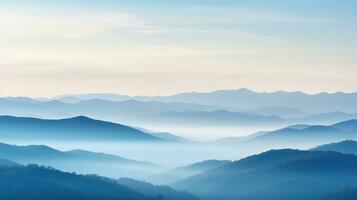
[{"x": 152, "y": 47}]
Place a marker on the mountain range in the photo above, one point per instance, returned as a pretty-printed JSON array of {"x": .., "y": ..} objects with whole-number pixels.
[
  {"x": 211, "y": 118},
  {"x": 152, "y": 114},
  {"x": 247, "y": 99},
  {"x": 32, "y": 182},
  {"x": 77, "y": 128},
  {"x": 121, "y": 111},
  {"x": 303, "y": 135},
  {"x": 276, "y": 174},
  {"x": 156, "y": 190},
  {"x": 81, "y": 161},
  {"x": 347, "y": 147}
]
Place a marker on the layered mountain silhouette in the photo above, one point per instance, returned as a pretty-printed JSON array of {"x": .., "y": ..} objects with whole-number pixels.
[
  {"x": 77, "y": 128},
  {"x": 139, "y": 111},
  {"x": 176, "y": 174},
  {"x": 284, "y": 112},
  {"x": 122, "y": 111},
  {"x": 78, "y": 160},
  {"x": 276, "y": 174},
  {"x": 247, "y": 99},
  {"x": 347, "y": 146}
]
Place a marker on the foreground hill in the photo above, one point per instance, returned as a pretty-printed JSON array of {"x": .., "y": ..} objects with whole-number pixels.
[
  {"x": 176, "y": 174},
  {"x": 78, "y": 160},
  {"x": 347, "y": 146},
  {"x": 38, "y": 183},
  {"x": 276, "y": 174},
  {"x": 77, "y": 128}
]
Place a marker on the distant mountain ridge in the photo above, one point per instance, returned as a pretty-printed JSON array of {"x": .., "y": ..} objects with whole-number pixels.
[
  {"x": 121, "y": 111},
  {"x": 248, "y": 99},
  {"x": 214, "y": 118},
  {"x": 150, "y": 113},
  {"x": 156, "y": 190}
]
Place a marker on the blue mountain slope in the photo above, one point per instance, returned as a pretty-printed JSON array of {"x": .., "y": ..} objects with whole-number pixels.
[
  {"x": 346, "y": 194},
  {"x": 347, "y": 146},
  {"x": 276, "y": 174},
  {"x": 39, "y": 183},
  {"x": 176, "y": 174},
  {"x": 349, "y": 125},
  {"x": 77, "y": 128},
  {"x": 41, "y": 153},
  {"x": 212, "y": 118},
  {"x": 78, "y": 160},
  {"x": 156, "y": 190},
  {"x": 310, "y": 134}
]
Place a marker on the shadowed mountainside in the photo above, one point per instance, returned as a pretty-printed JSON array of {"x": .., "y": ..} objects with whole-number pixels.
[
  {"x": 39, "y": 183},
  {"x": 346, "y": 194},
  {"x": 276, "y": 174}
]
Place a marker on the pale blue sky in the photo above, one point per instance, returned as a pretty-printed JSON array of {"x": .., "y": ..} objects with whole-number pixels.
[{"x": 152, "y": 47}]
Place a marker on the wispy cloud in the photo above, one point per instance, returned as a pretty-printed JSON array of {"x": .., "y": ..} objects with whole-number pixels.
[{"x": 72, "y": 25}]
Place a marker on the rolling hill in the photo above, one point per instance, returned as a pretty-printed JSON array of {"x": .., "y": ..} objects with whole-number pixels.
[
  {"x": 77, "y": 128},
  {"x": 39, "y": 183},
  {"x": 276, "y": 174},
  {"x": 176, "y": 174},
  {"x": 80, "y": 161},
  {"x": 309, "y": 134},
  {"x": 156, "y": 190},
  {"x": 347, "y": 146},
  {"x": 211, "y": 118}
]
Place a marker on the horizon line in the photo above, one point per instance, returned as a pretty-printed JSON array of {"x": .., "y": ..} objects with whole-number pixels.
[{"x": 53, "y": 97}]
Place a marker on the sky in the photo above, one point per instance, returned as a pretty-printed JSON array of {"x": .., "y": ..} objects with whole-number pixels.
[{"x": 156, "y": 47}]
